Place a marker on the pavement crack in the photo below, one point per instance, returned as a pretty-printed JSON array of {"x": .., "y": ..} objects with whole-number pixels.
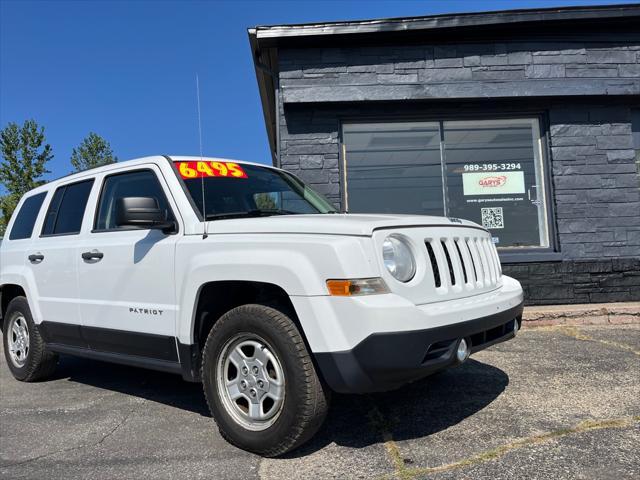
[
  {"x": 382, "y": 426},
  {"x": 118, "y": 425},
  {"x": 78, "y": 447},
  {"x": 500, "y": 451}
]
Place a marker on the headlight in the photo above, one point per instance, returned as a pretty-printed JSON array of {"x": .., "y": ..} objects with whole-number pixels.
[{"x": 398, "y": 258}]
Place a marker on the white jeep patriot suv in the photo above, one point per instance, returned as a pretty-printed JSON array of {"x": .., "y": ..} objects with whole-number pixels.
[{"x": 241, "y": 277}]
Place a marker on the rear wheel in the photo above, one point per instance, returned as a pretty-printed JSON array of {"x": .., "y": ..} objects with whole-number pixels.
[
  {"x": 260, "y": 382},
  {"x": 24, "y": 349}
]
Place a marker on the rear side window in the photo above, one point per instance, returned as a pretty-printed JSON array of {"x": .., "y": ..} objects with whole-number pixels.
[
  {"x": 141, "y": 183},
  {"x": 26, "y": 218},
  {"x": 66, "y": 210}
]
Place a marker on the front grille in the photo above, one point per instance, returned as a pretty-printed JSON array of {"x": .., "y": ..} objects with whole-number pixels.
[
  {"x": 473, "y": 263},
  {"x": 434, "y": 265},
  {"x": 452, "y": 275},
  {"x": 464, "y": 268},
  {"x": 468, "y": 262}
]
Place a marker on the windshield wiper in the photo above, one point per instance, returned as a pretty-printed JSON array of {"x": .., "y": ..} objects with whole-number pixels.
[
  {"x": 274, "y": 211},
  {"x": 249, "y": 213}
]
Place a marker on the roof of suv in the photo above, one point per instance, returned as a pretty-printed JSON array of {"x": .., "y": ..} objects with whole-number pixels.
[{"x": 157, "y": 159}]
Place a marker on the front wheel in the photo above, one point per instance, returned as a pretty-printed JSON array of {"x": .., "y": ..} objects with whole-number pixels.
[{"x": 260, "y": 382}]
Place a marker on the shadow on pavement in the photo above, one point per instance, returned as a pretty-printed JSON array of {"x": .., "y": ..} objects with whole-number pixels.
[
  {"x": 417, "y": 410},
  {"x": 414, "y": 411},
  {"x": 154, "y": 386}
]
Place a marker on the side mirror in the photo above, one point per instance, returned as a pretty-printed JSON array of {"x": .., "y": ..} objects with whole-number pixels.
[{"x": 142, "y": 212}]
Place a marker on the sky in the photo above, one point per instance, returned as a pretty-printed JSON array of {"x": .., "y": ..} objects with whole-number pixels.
[{"x": 126, "y": 70}]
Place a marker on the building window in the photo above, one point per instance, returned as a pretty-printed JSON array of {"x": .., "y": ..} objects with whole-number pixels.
[
  {"x": 487, "y": 171},
  {"x": 394, "y": 168}
]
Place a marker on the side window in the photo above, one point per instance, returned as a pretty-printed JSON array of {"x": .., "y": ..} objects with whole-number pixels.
[
  {"x": 66, "y": 210},
  {"x": 141, "y": 183},
  {"x": 26, "y": 217}
]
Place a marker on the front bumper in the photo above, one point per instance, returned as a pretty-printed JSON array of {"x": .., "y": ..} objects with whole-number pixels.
[
  {"x": 384, "y": 361},
  {"x": 379, "y": 342}
]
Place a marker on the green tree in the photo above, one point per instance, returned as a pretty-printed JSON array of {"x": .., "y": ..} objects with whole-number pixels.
[
  {"x": 24, "y": 162},
  {"x": 8, "y": 204},
  {"x": 93, "y": 151}
]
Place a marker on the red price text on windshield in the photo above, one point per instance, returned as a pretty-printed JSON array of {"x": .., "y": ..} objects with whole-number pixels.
[{"x": 200, "y": 169}]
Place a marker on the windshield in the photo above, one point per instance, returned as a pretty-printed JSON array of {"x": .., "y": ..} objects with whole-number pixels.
[{"x": 238, "y": 190}]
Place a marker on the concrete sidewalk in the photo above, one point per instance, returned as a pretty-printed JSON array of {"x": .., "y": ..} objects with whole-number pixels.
[{"x": 583, "y": 314}]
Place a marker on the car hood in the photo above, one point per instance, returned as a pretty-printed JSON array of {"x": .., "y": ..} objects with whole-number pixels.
[{"x": 329, "y": 224}]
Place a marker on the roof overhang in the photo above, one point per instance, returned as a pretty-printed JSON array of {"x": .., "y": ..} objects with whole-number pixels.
[
  {"x": 433, "y": 22},
  {"x": 265, "y": 40}
]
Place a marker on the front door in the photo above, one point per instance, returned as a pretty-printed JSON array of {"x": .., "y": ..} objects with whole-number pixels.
[{"x": 126, "y": 275}]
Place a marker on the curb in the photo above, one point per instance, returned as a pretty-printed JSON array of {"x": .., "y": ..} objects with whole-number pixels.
[{"x": 623, "y": 313}]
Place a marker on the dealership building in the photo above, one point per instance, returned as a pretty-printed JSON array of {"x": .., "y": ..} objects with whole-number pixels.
[{"x": 524, "y": 121}]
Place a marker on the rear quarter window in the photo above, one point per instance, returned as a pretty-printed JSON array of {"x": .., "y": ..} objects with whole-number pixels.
[{"x": 26, "y": 217}]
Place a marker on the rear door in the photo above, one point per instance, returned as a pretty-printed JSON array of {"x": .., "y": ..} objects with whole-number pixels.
[
  {"x": 16, "y": 245},
  {"x": 52, "y": 264},
  {"x": 127, "y": 290}
]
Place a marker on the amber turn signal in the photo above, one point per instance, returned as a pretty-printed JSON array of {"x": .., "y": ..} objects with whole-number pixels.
[{"x": 360, "y": 286}]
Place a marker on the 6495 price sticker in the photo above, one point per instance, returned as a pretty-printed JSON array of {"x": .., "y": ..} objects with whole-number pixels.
[{"x": 202, "y": 169}]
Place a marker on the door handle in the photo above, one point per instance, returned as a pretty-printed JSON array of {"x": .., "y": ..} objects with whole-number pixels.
[
  {"x": 36, "y": 258},
  {"x": 93, "y": 255}
]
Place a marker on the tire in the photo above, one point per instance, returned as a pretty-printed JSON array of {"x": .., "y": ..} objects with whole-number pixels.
[
  {"x": 283, "y": 362},
  {"x": 38, "y": 363}
]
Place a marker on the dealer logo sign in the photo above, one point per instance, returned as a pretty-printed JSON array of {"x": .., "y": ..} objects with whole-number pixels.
[
  {"x": 486, "y": 183},
  {"x": 493, "y": 181}
]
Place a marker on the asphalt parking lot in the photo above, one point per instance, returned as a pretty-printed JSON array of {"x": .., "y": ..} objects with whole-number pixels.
[{"x": 556, "y": 402}]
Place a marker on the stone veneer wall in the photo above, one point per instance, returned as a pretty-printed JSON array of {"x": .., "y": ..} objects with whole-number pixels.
[{"x": 586, "y": 91}]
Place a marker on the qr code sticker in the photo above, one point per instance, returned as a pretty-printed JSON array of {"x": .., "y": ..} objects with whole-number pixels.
[{"x": 492, "y": 217}]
